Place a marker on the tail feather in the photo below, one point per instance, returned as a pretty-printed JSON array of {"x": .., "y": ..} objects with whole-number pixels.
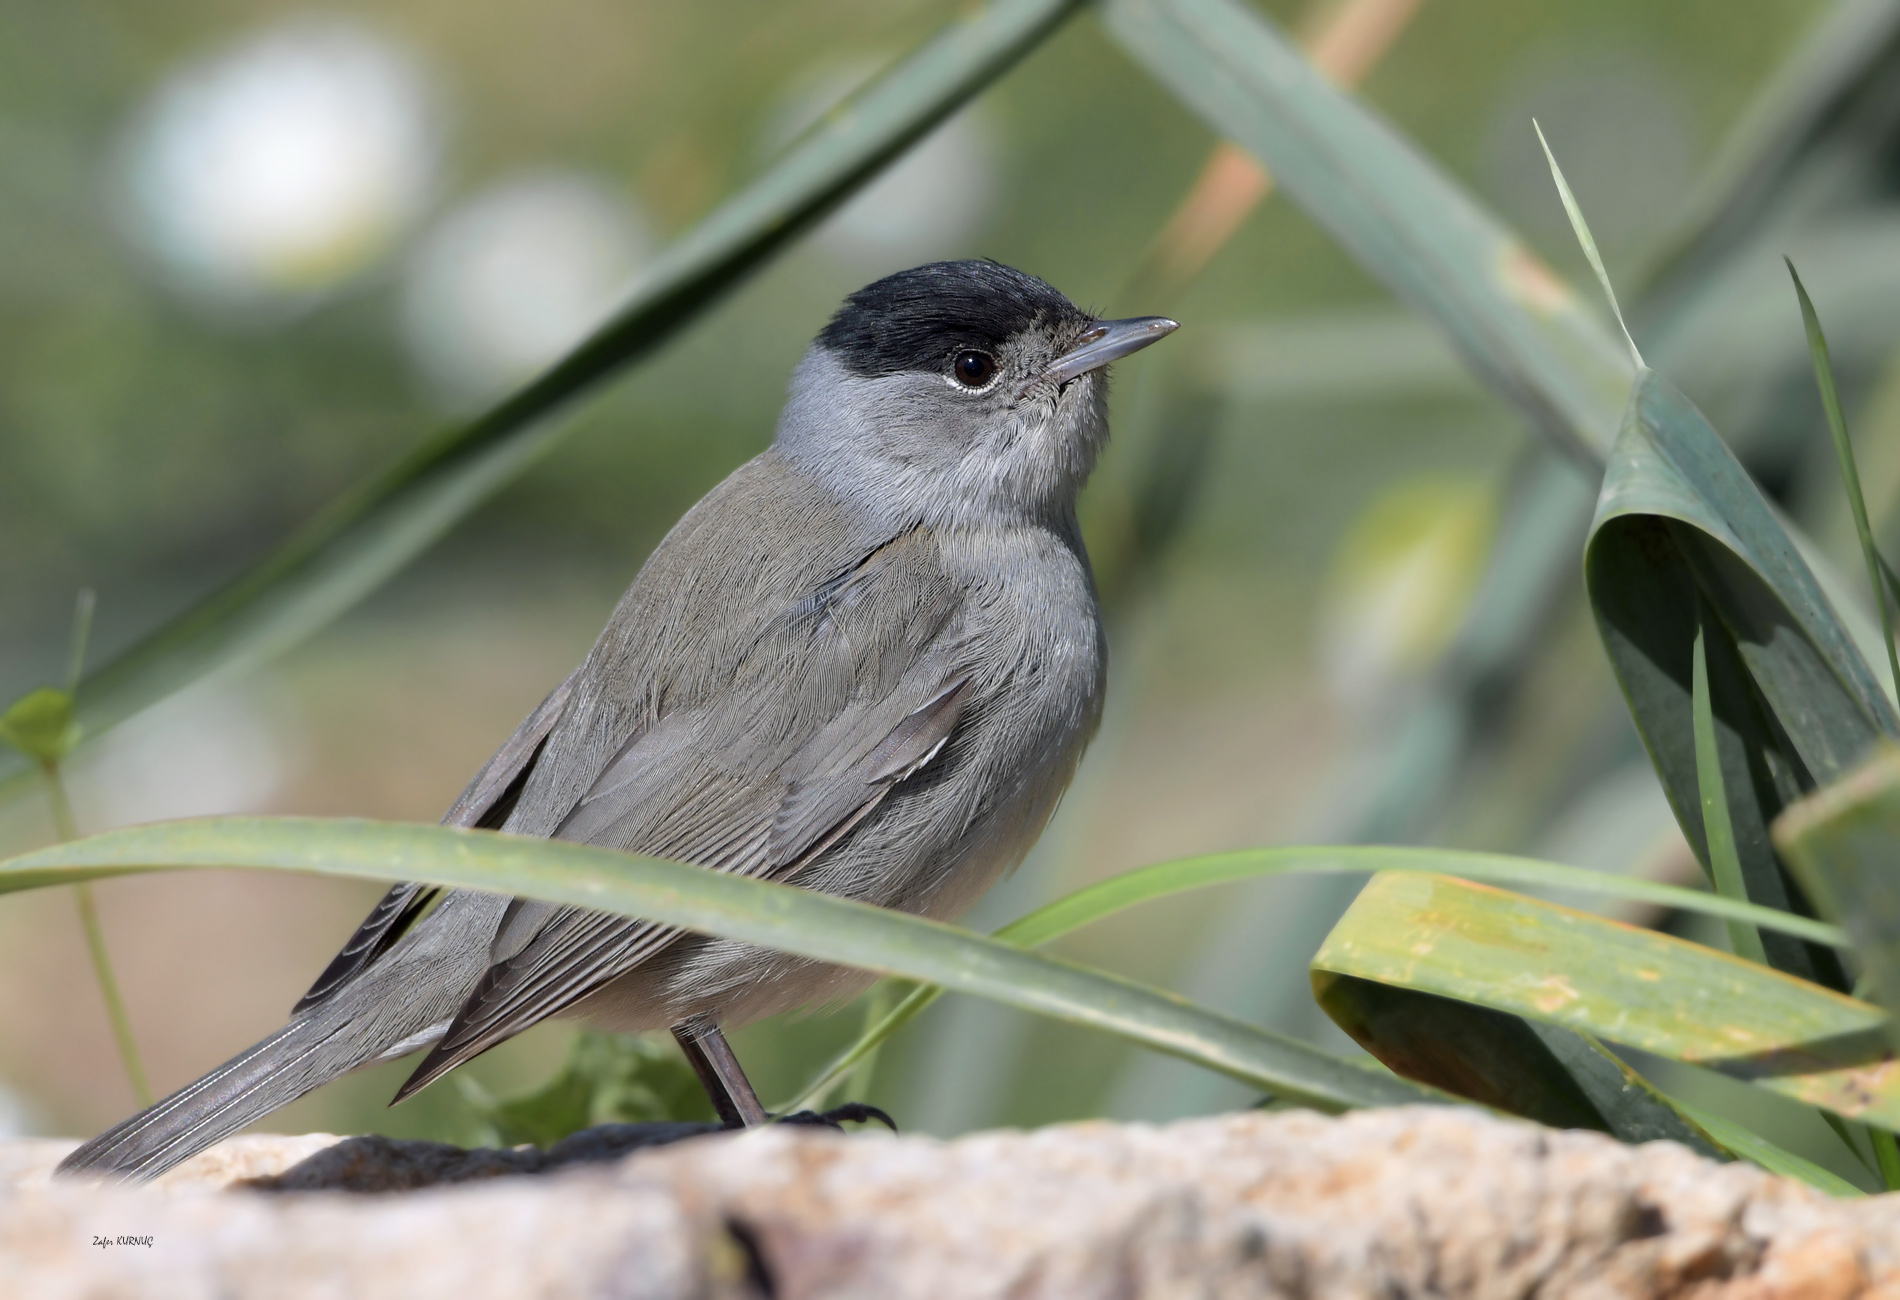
[
  {"x": 273, "y": 1073},
  {"x": 399, "y": 1004}
]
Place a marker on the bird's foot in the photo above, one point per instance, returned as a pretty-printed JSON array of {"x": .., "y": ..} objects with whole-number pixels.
[{"x": 852, "y": 1112}]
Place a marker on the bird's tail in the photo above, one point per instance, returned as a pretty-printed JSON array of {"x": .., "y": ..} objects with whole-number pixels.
[{"x": 303, "y": 1055}]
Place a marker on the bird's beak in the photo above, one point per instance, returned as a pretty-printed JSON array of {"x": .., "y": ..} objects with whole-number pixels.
[{"x": 1106, "y": 341}]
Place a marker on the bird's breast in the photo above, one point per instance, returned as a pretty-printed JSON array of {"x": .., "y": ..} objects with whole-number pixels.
[{"x": 1033, "y": 637}]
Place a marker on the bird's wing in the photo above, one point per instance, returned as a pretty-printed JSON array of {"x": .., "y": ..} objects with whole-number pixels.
[
  {"x": 848, "y": 693},
  {"x": 484, "y": 804}
]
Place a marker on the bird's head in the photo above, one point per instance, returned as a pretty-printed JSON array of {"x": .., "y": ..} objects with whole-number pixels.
[{"x": 958, "y": 392}]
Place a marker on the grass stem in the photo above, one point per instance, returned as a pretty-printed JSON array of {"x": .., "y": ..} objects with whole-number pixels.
[
  {"x": 67, "y": 829},
  {"x": 857, "y": 1088}
]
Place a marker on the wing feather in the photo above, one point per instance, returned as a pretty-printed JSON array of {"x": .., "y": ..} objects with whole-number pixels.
[
  {"x": 757, "y": 784},
  {"x": 484, "y": 804}
]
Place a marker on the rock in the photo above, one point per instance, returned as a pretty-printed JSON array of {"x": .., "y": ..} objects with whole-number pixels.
[
  {"x": 31, "y": 1161},
  {"x": 380, "y": 1164},
  {"x": 1420, "y": 1202}
]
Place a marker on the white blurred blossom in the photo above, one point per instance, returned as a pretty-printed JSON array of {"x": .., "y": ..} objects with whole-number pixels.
[
  {"x": 263, "y": 175},
  {"x": 515, "y": 276}
]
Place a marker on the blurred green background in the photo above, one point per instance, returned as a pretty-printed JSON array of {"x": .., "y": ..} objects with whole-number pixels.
[{"x": 249, "y": 253}]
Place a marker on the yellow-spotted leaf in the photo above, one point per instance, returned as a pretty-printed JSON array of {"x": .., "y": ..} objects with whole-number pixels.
[{"x": 1474, "y": 944}]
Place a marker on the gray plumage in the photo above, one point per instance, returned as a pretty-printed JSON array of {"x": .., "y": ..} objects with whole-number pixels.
[{"x": 866, "y": 663}]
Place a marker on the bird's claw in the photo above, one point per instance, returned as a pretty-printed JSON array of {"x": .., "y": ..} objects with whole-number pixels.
[{"x": 852, "y": 1112}]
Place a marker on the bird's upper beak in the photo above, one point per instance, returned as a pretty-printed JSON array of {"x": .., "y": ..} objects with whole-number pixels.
[{"x": 1106, "y": 341}]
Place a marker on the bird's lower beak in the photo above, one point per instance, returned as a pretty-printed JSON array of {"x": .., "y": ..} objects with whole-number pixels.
[{"x": 1106, "y": 341}]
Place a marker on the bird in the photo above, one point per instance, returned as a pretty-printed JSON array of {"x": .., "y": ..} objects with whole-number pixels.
[{"x": 866, "y": 663}]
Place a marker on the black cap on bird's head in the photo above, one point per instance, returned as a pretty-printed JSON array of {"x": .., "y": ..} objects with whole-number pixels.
[
  {"x": 916, "y": 319},
  {"x": 924, "y": 318},
  {"x": 956, "y": 384}
]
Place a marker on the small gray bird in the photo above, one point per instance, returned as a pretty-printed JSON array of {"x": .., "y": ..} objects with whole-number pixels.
[{"x": 866, "y": 663}]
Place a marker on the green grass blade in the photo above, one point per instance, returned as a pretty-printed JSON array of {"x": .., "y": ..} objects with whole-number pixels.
[
  {"x": 864, "y": 1049},
  {"x": 1582, "y": 230},
  {"x": 790, "y": 919},
  {"x": 1887, "y": 1156},
  {"x": 1845, "y": 1132},
  {"x": 1850, "y": 473},
  {"x": 1758, "y": 1150},
  {"x": 363, "y": 538},
  {"x": 1653, "y": 992},
  {"x": 1144, "y": 884},
  {"x": 1725, "y": 866}
]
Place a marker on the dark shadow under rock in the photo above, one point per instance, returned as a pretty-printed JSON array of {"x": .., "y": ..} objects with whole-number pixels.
[{"x": 383, "y": 1164}]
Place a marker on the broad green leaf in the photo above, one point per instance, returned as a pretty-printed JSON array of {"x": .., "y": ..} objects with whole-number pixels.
[
  {"x": 1519, "y": 326},
  {"x": 1844, "y": 844},
  {"x": 793, "y": 920},
  {"x": 372, "y": 532},
  {"x": 1681, "y": 529},
  {"x": 1785, "y": 693},
  {"x": 1659, "y": 994},
  {"x": 1541, "y": 1072},
  {"x": 1144, "y": 884}
]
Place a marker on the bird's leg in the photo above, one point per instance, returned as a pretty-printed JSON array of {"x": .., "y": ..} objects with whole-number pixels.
[
  {"x": 719, "y": 1073},
  {"x": 732, "y": 1096}
]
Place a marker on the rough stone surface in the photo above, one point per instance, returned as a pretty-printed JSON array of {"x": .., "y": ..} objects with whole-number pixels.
[
  {"x": 1425, "y": 1202},
  {"x": 380, "y": 1164},
  {"x": 30, "y": 1162}
]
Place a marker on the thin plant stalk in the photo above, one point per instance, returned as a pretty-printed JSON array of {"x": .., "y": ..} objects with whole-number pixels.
[
  {"x": 42, "y": 725},
  {"x": 858, "y": 1087},
  {"x": 863, "y": 1053},
  {"x": 67, "y": 830},
  {"x": 1850, "y": 473}
]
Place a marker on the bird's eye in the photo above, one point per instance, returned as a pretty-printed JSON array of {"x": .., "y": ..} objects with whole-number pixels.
[{"x": 973, "y": 369}]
